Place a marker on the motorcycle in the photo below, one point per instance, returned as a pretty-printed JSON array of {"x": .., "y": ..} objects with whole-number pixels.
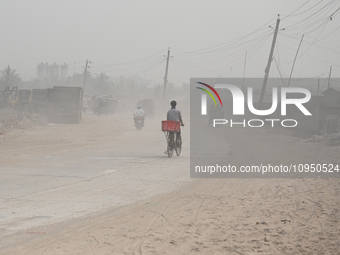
[
  {"x": 100, "y": 110},
  {"x": 139, "y": 123}
]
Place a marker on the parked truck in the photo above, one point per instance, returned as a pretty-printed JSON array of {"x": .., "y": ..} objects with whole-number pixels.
[
  {"x": 64, "y": 104},
  {"x": 23, "y": 100},
  {"x": 110, "y": 102},
  {"x": 39, "y": 101}
]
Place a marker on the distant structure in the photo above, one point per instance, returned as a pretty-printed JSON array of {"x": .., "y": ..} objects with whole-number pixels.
[
  {"x": 64, "y": 71},
  {"x": 51, "y": 71}
]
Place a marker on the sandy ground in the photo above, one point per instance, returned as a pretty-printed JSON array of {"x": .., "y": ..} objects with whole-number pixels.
[{"x": 102, "y": 187}]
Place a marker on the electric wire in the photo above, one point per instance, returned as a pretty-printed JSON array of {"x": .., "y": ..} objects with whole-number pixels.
[
  {"x": 278, "y": 69},
  {"x": 291, "y": 14}
]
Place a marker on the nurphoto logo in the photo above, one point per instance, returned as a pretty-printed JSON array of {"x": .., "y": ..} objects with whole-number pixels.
[{"x": 238, "y": 105}]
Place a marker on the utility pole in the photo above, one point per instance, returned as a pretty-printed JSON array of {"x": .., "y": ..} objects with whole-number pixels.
[
  {"x": 269, "y": 61},
  {"x": 244, "y": 70},
  {"x": 166, "y": 73},
  {"x": 290, "y": 76},
  {"x": 85, "y": 74},
  {"x": 329, "y": 77}
]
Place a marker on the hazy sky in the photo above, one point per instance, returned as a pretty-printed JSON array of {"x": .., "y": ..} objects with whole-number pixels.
[{"x": 206, "y": 38}]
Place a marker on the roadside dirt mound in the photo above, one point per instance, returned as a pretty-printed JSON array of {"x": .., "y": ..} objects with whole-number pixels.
[{"x": 13, "y": 119}]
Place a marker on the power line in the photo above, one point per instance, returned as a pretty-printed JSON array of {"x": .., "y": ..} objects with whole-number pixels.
[
  {"x": 311, "y": 56},
  {"x": 329, "y": 34},
  {"x": 313, "y": 18},
  {"x": 136, "y": 61},
  {"x": 290, "y": 15},
  {"x": 316, "y": 44},
  {"x": 278, "y": 69},
  {"x": 231, "y": 42},
  {"x": 313, "y": 41}
]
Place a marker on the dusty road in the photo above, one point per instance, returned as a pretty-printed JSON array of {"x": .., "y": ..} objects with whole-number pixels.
[
  {"x": 59, "y": 172},
  {"x": 101, "y": 187}
]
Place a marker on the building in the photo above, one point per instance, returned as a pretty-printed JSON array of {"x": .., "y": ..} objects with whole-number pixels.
[
  {"x": 64, "y": 71},
  {"x": 54, "y": 71}
]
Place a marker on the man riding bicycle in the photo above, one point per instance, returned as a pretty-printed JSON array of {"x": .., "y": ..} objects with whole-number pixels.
[{"x": 175, "y": 115}]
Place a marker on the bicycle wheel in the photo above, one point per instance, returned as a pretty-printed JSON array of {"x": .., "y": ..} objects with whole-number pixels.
[
  {"x": 179, "y": 146},
  {"x": 170, "y": 148}
]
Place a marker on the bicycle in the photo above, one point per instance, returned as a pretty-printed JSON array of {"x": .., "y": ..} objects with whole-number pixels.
[{"x": 170, "y": 128}]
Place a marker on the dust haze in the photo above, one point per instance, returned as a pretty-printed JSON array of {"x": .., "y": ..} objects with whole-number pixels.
[{"x": 81, "y": 173}]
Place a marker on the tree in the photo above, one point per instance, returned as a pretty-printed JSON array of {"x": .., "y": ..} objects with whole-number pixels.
[
  {"x": 102, "y": 82},
  {"x": 9, "y": 77}
]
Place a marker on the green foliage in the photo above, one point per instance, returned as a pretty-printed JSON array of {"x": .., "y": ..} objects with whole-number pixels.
[{"x": 9, "y": 78}]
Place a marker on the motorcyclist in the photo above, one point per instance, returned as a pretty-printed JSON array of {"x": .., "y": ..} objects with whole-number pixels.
[
  {"x": 102, "y": 107},
  {"x": 138, "y": 113},
  {"x": 175, "y": 115}
]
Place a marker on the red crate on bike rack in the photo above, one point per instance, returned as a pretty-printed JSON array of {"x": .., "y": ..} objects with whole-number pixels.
[{"x": 171, "y": 126}]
